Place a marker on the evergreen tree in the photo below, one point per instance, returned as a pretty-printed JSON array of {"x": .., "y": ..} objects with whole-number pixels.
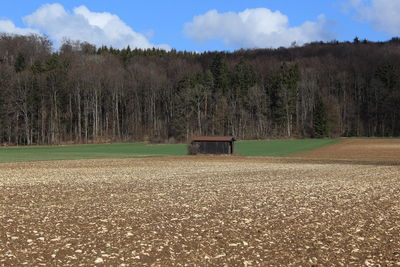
[
  {"x": 320, "y": 122},
  {"x": 243, "y": 78},
  {"x": 282, "y": 95},
  {"x": 220, "y": 73},
  {"x": 20, "y": 63}
]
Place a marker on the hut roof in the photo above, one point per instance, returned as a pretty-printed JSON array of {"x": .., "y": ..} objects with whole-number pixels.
[{"x": 213, "y": 139}]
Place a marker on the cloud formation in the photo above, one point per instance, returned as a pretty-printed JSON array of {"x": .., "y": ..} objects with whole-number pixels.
[
  {"x": 383, "y": 15},
  {"x": 83, "y": 25},
  {"x": 7, "y": 26},
  {"x": 255, "y": 28}
]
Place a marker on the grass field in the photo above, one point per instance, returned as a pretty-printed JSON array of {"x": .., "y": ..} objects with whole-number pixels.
[
  {"x": 141, "y": 150},
  {"x": 275, "y": 148},
  {"x": 121, "y": 150}
]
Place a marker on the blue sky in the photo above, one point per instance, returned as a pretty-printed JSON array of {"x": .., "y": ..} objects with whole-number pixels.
[{"x": 203, "y": 25}]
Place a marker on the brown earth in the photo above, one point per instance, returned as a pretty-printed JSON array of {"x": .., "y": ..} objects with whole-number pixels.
[
  {"x": 199, "y": 211},
  {"x": 378, "y": 150}
]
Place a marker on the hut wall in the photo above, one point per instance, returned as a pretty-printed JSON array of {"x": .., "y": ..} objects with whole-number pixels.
[{"x": 211, "y": 147}]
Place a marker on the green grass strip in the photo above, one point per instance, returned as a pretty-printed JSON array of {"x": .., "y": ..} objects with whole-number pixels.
[
  {"x": 273, "y": 148},
  {"x": 278, "y": 148},
  {"x": 72, "y": 152}
]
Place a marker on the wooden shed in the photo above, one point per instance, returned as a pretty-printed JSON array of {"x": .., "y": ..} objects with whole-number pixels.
[{"x": 213, "y": 144}]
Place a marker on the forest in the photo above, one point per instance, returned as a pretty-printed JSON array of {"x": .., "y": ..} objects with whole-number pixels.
[{"x": 80, "y": 93}]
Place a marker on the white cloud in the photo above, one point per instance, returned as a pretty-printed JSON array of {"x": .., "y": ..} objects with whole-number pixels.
[
  {"x": 382, "y": 14},
  {"x": 7, "y": 26},
  {"x": 255, "y": 28},
  {"x": 84, "y": 25}
]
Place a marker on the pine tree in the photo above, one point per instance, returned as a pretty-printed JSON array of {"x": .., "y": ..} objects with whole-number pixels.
[
  {"x": 20, "y": 63},
  {"x": 220, "y": 73},
  {"x": 320, "y": 122}
]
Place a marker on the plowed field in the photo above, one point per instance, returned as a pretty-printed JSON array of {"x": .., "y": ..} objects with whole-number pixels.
[
  {"x": 378, "y": 150},
  {"x": 200, "y": 211}
]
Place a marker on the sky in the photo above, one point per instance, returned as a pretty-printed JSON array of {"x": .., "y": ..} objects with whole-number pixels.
[{"x": 206, "y": 25}]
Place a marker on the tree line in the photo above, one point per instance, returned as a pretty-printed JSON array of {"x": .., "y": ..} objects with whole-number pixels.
[{"x": 84, "y": 94}]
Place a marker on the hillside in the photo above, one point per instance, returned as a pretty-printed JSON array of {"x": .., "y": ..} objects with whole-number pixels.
[{"x": 82, "y": 94}]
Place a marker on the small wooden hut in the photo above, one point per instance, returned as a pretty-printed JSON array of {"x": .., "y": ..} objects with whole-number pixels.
[{"x": 213, "y": 144}]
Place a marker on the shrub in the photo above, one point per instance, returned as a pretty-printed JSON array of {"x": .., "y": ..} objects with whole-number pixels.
[{"x": 193, "y": 149}]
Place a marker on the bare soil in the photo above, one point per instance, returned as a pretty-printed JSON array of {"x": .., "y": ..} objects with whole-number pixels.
[
  {"x": 200, "y": 211},
  {"x": 377, "y": 150}
]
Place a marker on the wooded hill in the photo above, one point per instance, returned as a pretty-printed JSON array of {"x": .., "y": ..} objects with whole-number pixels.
[{"x": 83, "y": 94}]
